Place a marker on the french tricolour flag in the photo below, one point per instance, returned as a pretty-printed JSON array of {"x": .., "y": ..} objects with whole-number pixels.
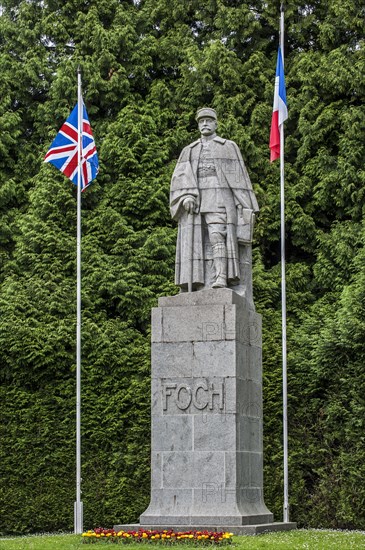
[{"x": 280, "y": 111}]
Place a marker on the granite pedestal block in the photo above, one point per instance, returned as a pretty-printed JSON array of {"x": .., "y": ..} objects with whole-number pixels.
[{"x": 207, "y": 459}]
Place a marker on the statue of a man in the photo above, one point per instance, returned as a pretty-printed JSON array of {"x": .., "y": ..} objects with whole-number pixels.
[{"x": 213, "y": 202}]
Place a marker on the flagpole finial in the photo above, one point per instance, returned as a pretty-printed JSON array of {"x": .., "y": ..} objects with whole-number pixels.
[
  {"x": 282, "y": 8},
  {"x": 78, "y": 69}
]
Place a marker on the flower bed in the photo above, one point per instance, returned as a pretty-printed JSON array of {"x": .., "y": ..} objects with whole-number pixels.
[{"x": 205, "y": 538}]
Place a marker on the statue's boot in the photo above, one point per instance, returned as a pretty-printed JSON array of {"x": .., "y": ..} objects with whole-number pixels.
[{"x": 220, "y": 265}]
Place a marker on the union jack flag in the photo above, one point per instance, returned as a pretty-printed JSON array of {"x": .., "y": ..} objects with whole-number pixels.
[{"x": 63, "y": 151}]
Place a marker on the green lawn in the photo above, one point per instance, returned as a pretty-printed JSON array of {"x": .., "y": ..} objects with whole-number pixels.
[{"x": 293, "y": 540}]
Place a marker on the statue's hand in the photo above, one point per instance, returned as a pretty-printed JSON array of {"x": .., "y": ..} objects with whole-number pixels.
[{"x": 189, "y": 205}]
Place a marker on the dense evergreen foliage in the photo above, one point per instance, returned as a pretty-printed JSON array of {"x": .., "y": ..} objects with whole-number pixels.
[{"x": 147, "y": 66}]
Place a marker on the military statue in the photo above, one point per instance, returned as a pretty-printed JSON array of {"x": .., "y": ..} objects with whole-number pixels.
[{"x": 213, "y": 202}]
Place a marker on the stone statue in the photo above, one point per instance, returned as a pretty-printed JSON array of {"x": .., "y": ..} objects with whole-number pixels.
[
  {"x": 213, "y": 202},
  {"x": 206, "y": 376}
]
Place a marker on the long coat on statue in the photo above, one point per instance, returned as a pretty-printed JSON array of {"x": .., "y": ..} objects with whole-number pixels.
[{"x": 235, "y": 187}]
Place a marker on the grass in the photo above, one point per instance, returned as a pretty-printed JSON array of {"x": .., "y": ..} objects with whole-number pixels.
[{"x": 292, "y": 540}]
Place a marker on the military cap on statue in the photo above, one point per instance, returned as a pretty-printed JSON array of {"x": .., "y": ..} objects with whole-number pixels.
[{"x": 206, "y": 112}]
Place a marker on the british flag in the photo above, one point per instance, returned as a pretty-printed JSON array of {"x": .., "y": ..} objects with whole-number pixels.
[{"x": 63, "y": 150}]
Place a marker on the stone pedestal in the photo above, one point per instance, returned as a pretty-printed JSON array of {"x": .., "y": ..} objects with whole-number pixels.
[{"x": 207, "y": 460}]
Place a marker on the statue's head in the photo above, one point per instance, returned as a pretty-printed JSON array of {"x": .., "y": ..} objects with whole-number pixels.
[{"x": 207, "y": 121}]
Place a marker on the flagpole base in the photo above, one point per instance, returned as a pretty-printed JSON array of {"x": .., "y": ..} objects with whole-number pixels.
[{"x": 78, "y": 518}]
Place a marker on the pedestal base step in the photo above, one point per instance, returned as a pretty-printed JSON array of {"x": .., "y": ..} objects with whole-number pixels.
[{"x": 235, "y": 529}]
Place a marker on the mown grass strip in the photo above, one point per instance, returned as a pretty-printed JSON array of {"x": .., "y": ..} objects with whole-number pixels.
[{"x": 293, "y": 540}]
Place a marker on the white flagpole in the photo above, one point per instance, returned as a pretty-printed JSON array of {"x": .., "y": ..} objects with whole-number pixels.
[
  {"x": 78, "y": 507},
  {"x": 283, "y": 297}
]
